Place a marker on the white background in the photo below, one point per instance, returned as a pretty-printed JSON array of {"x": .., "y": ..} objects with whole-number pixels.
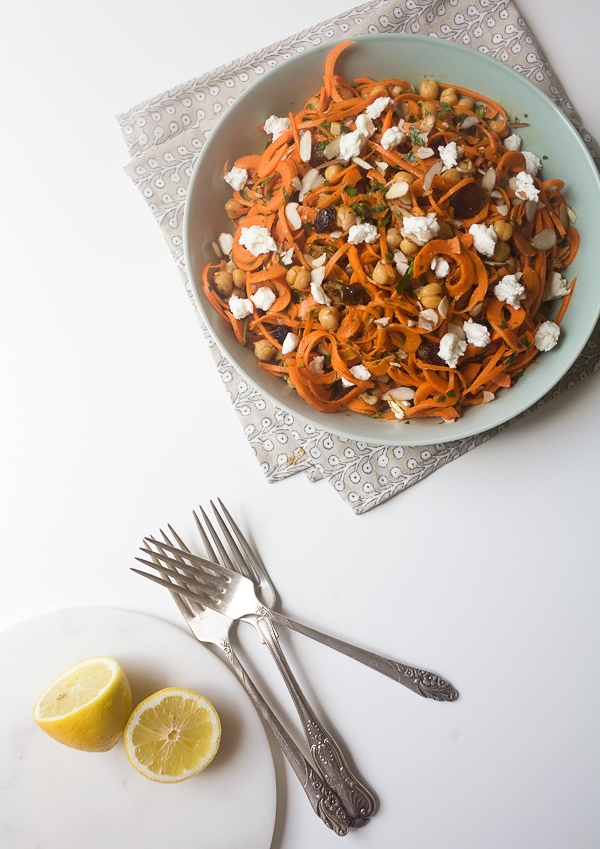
[{"x": 114, "y": 422}]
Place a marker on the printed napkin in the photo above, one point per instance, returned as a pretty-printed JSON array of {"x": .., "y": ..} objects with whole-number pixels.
[{"x": 164, "y": 136}]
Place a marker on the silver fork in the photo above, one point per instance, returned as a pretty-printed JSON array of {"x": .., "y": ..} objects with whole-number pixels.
[
  {"x": 357, "y": 800},
  {"x": 245, "y": 561},
  {"x": 212, "y": 627}
]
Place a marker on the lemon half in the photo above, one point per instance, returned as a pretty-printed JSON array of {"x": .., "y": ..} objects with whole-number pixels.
[
  {"x": 172, "y": 735},
  {"x": 87, "y": 706}
]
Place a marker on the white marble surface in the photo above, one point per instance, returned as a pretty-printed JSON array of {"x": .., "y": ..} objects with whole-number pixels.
[
  {"x": 490, "y": 565},
  {"x": 79, "y": 789}
]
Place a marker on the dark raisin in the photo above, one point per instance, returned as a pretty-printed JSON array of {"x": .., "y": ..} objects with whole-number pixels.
[
  {"x": 354, "y": 294},
  {"x": 279, "y": 332},
  {"x": 325, "y": 219},
  {"x": 468, "y": 201},
  {"x": 317, "y": 153},
  {"x": 428, "y": 352}
]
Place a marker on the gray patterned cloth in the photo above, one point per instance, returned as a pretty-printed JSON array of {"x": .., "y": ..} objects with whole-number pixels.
[{"x": 164, "y": 136}]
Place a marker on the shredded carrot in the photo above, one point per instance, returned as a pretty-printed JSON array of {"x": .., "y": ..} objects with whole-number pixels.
[{"x": 385, "y": 301}]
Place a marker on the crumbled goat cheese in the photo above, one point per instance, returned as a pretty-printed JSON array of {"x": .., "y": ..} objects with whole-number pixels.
[
  {"x": 240, "y": 307},
  {"x": 440, "y": 266},
  {"x": 276, "y": 127},
  {"x": 287, "y": 256},
  {"x": 375, "y": 109},
  {"x": 226, "y": 243},
  {"x": 257, "y": 240},
  {"x": 547, "y": 336},
  {"x": 513, "y": 142},
  {"x": 421, "y": 228},
  {"x": 392, "y": 137},
  {"x": 383, "y": 321},
  {"x": 365, "y": 125},
  {"x": 316, "y": 364},
  {"x": 351, "y": 144},
  {"x": 360, "y": 372},
  {"x": 476, "y": 334},
  {"x": 263, "y": 298},
  {"x": 525, "y": 187},
  {"x": 452, "y": 347},
  {"x": 319, "y": 293},
  {"x": 556, "y": 287},
  {"x": 290, "y": 343},
  {"x": 448, "y": 154},
  {"x": 484, "y": 238},
  {"x": 362, "y": 233},
  {"x": 509, "y": 290},
  {"x": 236, "y": 178},
  {"x": 532, "y": 162}
]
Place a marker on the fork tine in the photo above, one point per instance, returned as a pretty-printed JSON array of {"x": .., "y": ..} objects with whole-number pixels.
[
  {"x": 253, "y": 567},
  {"x": 207, "y": 566},
  {"x": 193, "y": 579},
  {"x": 225, "y": 557},
  {"x": 176, "y": 590},
  {"x": 198, "y": 575},
  {"x": 241, "y": 556},
  {"x": 183, "y": 604}
]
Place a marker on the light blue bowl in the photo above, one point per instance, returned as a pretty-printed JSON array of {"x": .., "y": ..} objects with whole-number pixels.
[{"x": 549, "y": 134}]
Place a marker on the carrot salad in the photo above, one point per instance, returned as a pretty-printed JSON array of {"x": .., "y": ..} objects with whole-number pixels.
[{"x": 393, "y": 251}]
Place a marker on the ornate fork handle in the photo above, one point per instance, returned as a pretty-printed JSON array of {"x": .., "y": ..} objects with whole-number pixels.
[
  {"x": 323, "y": 798},
  {"x": 420, "y": 681},
  {"x": 357, "y": 800}
]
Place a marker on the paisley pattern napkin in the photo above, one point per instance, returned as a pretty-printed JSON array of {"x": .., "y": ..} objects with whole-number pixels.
[{"x": 163, "y": 137}]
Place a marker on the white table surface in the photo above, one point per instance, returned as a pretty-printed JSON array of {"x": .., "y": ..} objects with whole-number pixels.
[{"x": 490, "y": 564}]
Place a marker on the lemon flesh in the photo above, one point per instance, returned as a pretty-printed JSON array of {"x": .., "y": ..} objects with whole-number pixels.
[
  {"x": 172, "y": 735},
  {"x": 87, "y": 706}
]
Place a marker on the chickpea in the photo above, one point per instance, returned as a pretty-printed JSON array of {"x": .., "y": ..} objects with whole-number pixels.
[
  {"x": 467, "y": 166},
  {"x": 403, "y": 177},
  {"x": 380, "y": 90},
  {"x": 238, "y": 278},
  {"x": 329, "y": 318},
  {"x": 332, "y": 171},
  {"x": 430, "y": 107},
  {"x": 223, "y": 282},
  {"x": 429, "y": 89},
  {"x": 382, "y": 274},
  {"x": 503, "y": 230},
  {"x": 234, "y": 208},
  {"x": 393, "y": 237},
  {"x": 499, "y": 126},
  {"x": 449, "y": 96},
  {"x": 466, "y": 103},
  {"x": 263, "y": 350},
  {"x": 298, "y": 277},
  {"x": 501, "y": 251},
  {"x": 345, "y": 217},
  {"x": 451, "y": 176},
  {"x": 396, "y": 91},
  {"x": 511, "y": 265},
  {"x": 430, "y": 295},
  {"x": 408, "y": 248}
]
